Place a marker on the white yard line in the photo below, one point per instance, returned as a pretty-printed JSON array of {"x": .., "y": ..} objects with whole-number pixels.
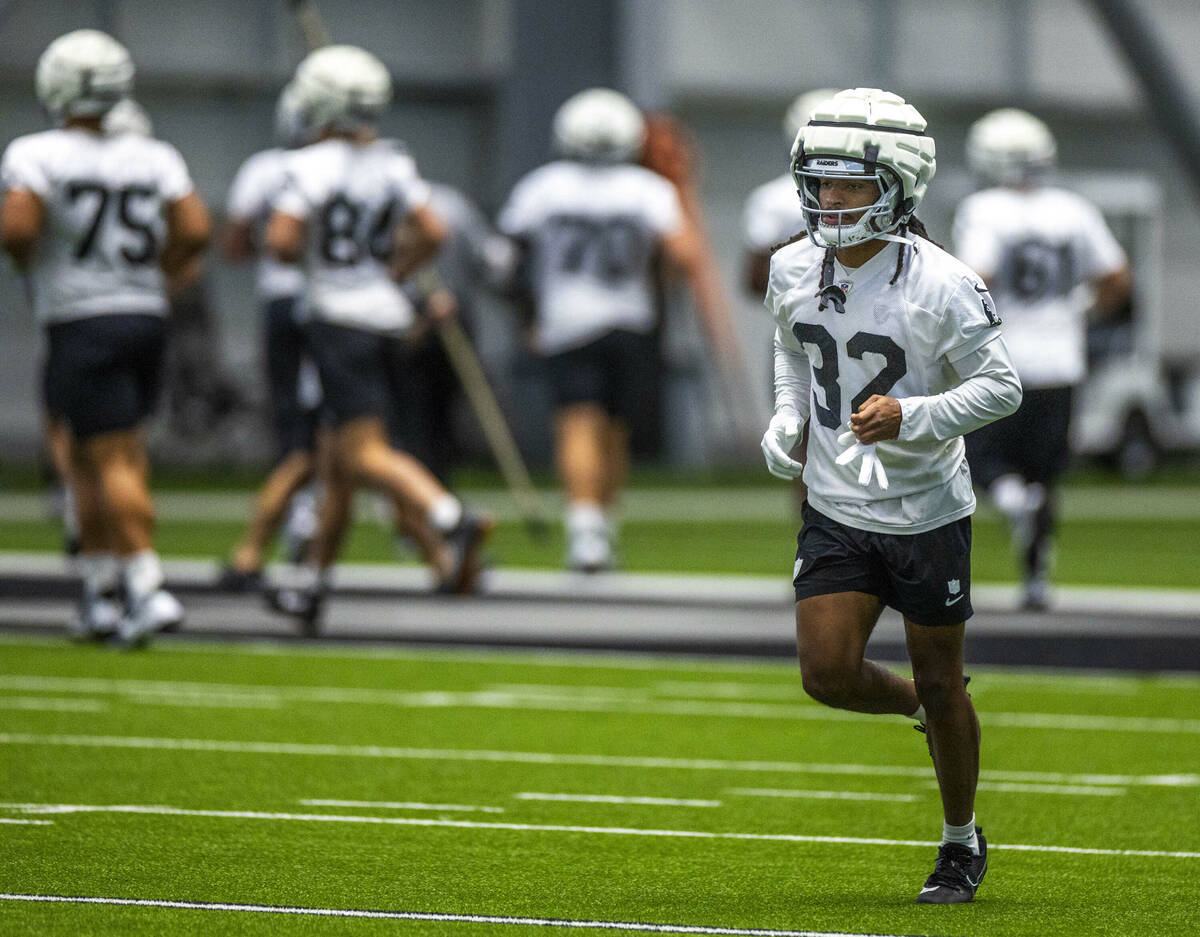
[
  {"x": 50, "y": 704},
  {"x": 1070, "y": 790},
  {"x": 324, "y": 750},
  {"x": 400, "y": 805},
  {"x": 165, "y": 811},
  {"x": 820, "y": 795},
  {"x": 19, "y": 822},
  {"x": 553, "y": 699},
  {"x": 612, "y": 799},
  {"x": 428, "y": 916}
]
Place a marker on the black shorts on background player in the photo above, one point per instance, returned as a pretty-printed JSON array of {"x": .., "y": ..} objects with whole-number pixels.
[
  {"x": 616, "y": 370},
  {"x": 104, "y": 373},
  {"x": 1032, "y": 443},
  {"x": 926, "y": 576},
  {"x": 286, "y": 348}
]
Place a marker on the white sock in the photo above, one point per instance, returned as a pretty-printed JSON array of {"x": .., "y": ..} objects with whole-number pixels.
[
  {"x": 963, "y": 835},
  {"x": 143, "y": 574},
  {"x": 100, "y": 572},
  {"x": 446, "y": 512},
  {"x": 919, "y": 715},
  {"x": 1009, "y": 495},
  {"x": 585, "y": 517}
]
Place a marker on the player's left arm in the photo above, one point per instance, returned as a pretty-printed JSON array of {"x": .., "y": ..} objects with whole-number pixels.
[
  {"x": 21, "y": 220},
  {"x": 188, "y": 232},
  {"x": 417, "y": 240},
  {"x": 1112, "y": 290}
]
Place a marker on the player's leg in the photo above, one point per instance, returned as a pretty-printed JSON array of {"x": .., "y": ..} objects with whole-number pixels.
[
  {"x": 1050, "y": 418},
  {"x": 581, "y": 450},
  {"x": 271, "y": 503},
  {"x": 839, "y": 588},
  {"x": 831, "y": 636}
]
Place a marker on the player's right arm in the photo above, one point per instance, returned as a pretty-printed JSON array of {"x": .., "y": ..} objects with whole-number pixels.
[
  {"x": 21, "y": 219},
  {"x": 188, "y": 233}
]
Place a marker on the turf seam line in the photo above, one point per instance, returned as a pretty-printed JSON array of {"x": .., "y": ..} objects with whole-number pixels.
[
  {"x": 316, "y": 749},
  {"x": 434, "y": 916},
  {"x": 163, "y": 810}
]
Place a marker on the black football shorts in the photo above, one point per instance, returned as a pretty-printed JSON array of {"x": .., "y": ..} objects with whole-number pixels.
[{"x": 926, "y": 577}]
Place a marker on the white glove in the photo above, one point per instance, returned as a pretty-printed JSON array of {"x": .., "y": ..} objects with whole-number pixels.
[
  {"x": 870, "y": 459},
  {"x": 777, "y": 442}
]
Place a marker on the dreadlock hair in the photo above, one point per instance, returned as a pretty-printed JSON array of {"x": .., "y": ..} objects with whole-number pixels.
[{"x": 914, "y": 225}]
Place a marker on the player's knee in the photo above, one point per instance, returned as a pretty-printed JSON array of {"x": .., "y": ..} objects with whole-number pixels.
[
  {"x": 827, "y": 682},
  {"x": 938, "y": 693}
]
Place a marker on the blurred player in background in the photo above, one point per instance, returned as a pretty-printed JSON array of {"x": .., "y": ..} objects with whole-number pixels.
[
  {"x": 291, "y": 376},
  {"x": 590, "y": 226},
  {"x": 357, "y": 215},
  {"x": 773, "y": 215},
  {"x": 866, "y": 307},
  {"x": 1051, "y": 261},
  {"x": 100, "y": 224},
  {"x": 472, "y": 258}
]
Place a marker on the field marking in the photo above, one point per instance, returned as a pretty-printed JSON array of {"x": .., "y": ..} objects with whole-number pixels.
[
  {"x": 821, "y": 795},
  {"x": 50, "y": 704},
  {"x": 325, "y": 750},
  {"x": 400, "y": 805},
  {"x": 612, "y": 799},
  {"x": 1071, "y": 790},
  {"x": 431, "y": 916},
  {"x": 165, "y": 811},
  {"x": 15, "y": 821},
  {"x": 566, "y": 702}
]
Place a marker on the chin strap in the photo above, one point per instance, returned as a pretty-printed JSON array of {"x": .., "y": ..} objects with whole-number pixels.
[
  {"x": 830, "y": 292},
  {"x": 899, "y": 239}
]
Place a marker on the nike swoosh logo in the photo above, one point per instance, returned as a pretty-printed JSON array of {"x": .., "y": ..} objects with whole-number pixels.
[
  {"x": 927, "y": 889},
  {"x": 981, "y": 289},
  {"x": 955, "y": 599}
]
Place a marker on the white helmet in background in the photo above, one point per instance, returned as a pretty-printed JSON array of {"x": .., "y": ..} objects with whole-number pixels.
[
  {"x": 870, "y": 134},
  {"x": 801, "y": 109},
  {"x": 1010, "y": 146},
  {"x": 599, "y": 125},
  {"x": 341, "y": 88},
  {"x": 127, "y": 116},
  {"x": 83, "y": 74},
  {"x": 289, "y": 118}
]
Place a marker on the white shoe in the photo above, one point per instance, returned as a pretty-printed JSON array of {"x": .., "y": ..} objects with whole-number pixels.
[
  {"x": 590, "y": 552},
  {"x": 156, "y": 612},
  {"x": 99, "y": 617}
]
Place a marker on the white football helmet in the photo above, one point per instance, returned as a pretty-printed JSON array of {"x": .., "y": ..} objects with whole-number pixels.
[
  {"x": 341, "y": 88},
  {"x": 801, "y": 109},
  {"x": 1010, "y": 147},
  {"x": 863, "y": 133},
  {"x": 599, "y": 125},
  {"x": 127, "y": 116},
  {"x": 83, "y": 74},
  {"x": 289, "y": 118}
]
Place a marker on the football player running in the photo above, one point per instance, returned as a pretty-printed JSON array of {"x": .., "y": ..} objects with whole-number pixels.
[
  {"x": 291, "y": 376},
  {"x": 355, "y": 212},
  {"x": 590, "y": 226},
  {"x": 99, "y": 223},
  {"x": 1051, "y": 261},
  {"x": 889, "y": 349}
]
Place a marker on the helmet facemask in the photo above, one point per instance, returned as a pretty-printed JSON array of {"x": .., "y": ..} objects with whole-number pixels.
[{"x": 855, "y": 225}]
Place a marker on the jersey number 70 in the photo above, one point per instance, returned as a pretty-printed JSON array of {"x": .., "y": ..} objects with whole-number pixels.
[{"x": 895, "y": 367}]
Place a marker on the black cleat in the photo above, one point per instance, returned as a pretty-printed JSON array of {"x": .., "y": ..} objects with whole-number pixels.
[
  {"x": 956, "y": 874},
  {"x": 304, "y": 605},
  {"x": 232, "y": 579},
  {"x": 465, "y": 542}
]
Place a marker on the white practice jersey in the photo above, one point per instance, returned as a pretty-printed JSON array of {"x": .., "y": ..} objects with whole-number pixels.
[
  {"x": 899, "y": 340},
  {"x": 105, "y": 226},
  {"x": 1039, "y": 249},
  {"x": 772, "y": 214},
  {"x": 353, "y": 198},
  {"x": 255, "y": 188},
  {"x": 593, "y": 231}
]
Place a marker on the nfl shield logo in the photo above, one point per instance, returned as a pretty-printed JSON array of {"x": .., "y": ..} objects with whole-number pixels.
[{"x": 952, "y": 586}]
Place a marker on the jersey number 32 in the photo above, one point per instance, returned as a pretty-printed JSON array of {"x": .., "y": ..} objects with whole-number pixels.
[{"x": 895, "y": 367}]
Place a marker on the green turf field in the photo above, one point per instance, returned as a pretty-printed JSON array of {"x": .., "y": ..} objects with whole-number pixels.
[
  {"x": 577, "y": 788},
  {"x": 1113, "y": 536}
]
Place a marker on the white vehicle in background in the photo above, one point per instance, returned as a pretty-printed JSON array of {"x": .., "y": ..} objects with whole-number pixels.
[{"x": 1130, "y": 411}]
